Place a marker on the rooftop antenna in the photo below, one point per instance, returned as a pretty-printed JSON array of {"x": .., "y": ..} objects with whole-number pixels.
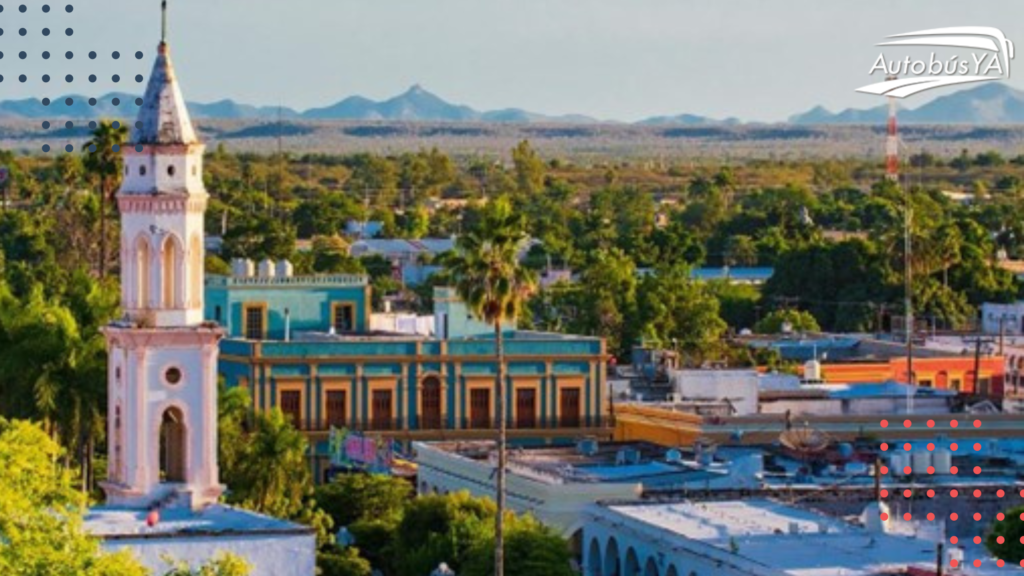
[{"x": 892, "y": 175}]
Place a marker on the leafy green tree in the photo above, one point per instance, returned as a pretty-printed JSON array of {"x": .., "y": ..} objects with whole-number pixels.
[
  {"x": 737, "y": 303},
  {"x": 273, "y": 473},
  {"x": 330, "y": 255},
  {"x": 740, "y": 250},
  {"x": 447, "y": 528},
  {"x": 529, "y": 169},
  {"x": 532, "y": 549},
  {"x": 221, "y": 565},
  {"x": 492, "y": 283},
  {"x": 41, "y": 513},
  {"x": 345, "y": 562},
  {"x": 606, "y": 299},
  {"x": 797, "y": 320},
  {"x": 349, "y": 498},
  {"x": 675, "y": 310},
  {"x": 1010, "y": 531}
]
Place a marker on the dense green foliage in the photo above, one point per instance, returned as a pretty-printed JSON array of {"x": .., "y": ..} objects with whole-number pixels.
[
  {"x": 41, "y": 517},
  {"x": 401, "y": 536},
  {"x": 1011, "y": 530}
]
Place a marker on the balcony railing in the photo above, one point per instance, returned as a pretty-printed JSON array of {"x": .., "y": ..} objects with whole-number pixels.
[{"x": 427, "y": 423}]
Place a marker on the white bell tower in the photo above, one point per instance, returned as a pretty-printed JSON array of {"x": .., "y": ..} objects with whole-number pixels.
[{"x": 162, "y": 381}]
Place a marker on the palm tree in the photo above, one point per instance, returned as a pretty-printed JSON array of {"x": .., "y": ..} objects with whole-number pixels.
[
  {"x": 490, "y": 280},
  {"x": 105, "y": 164}
]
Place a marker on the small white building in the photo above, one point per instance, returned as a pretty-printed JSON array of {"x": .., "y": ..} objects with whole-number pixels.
[
  {"x": 739, "y": 538},
  {"x": 1008, "y": 318},
  {"x": 739, "y": 388},
  {"x": 556, "y": 484}
]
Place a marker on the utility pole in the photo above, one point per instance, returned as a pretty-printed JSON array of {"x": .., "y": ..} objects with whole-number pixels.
[
  {"x": 938, "y": 559},
  {"x": 1002, "y": 332}
]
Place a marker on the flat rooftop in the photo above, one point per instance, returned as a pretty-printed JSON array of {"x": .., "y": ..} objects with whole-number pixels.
[
  {"x": 645, "y": 462},
  {"x": 113, "y": 522},
  {"x": 784, "y": 538}
]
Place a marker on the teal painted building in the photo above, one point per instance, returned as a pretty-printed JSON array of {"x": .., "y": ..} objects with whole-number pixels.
[{"x": 303, "y": 344}]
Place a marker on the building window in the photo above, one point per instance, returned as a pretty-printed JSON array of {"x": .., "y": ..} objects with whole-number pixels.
[
  {"x": 172, "y": 376},
  {"x": 255, "y": 326},
  {"x": 291, "y": 406},
  {"x": 984, "y": 387},
  {"x": 216, "y": 313},
  {"x": 956, "y": 385},
  {"x": 170, "y": 170},
  {"x": 381, "y": 406},
  {"x": 336, "y": 401},
  {"x": 142, "y": 170},
  {"x": 925, "y": 383},
  {"x": 343, "y": 317},
  {"x": 480, "y": 408}
]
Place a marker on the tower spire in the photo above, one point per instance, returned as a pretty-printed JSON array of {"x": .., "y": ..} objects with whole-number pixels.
[{"x": 163, "y": 22}]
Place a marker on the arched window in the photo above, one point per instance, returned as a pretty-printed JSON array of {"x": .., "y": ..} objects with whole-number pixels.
[
  {"x": 170, "y": 263},
  {"x": 195, "y": 270},
  {"x": 116, "y": 472},
  {"x": 142, "y": 272},
  {"x": 172, "y": 446}
]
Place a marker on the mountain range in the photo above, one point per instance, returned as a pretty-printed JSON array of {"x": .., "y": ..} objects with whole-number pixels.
[{"x": 988, "y": 104}]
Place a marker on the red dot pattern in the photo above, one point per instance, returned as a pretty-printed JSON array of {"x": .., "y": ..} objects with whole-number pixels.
[{"x": 954, "y": 493}]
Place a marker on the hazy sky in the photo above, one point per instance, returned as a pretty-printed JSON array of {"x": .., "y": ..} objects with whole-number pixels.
[{"x": 614, "y": 59}]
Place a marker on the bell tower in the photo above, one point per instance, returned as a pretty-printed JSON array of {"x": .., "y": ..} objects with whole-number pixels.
[{"x": 162, "y": 372}]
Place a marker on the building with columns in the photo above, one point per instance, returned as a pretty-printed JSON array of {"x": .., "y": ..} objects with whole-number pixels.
[
  {"x": 162, "y": 373},
  {"x": 302, "y": 344}
]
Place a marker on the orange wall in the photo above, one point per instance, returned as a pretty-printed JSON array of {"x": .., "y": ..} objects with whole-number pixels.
[
  {"x": 658, "y": 425},
  {"x": 938, "y": 372}
]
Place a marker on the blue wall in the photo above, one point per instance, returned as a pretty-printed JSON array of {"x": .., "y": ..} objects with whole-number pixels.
[{"x": 309, "y": 306}]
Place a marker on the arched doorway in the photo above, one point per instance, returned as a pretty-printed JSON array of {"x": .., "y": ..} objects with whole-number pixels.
[
  {"x": 672, "y": 571},
  {"x": 172, "y": 446},
  {"x": 651, "y": 568},
  {"x": 612, "y": 563},
  {"x": 430, "y": 404},
  {"x": 942, "y": 380},
  {"x": 594, "y": 559},
  {"x": 632, "y": 564}
]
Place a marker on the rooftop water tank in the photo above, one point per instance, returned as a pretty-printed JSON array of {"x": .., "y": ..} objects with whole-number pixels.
[
  {"x": 920, "y": 461},
  {"x": 242, "y": 268},
  {"x": 943, "y": 461},
  {"x": 284, "y": 269},
  {"x": 812, "y": 371},
  {"x": 266, "y": 268}
]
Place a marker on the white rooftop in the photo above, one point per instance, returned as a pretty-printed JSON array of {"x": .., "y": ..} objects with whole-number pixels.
[
  {"x": 113, "y": 522},
  {"x": 783, "y": 538}
]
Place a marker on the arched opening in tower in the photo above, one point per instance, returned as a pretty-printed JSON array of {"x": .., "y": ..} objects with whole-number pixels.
[{"x": 172, "y": 446}]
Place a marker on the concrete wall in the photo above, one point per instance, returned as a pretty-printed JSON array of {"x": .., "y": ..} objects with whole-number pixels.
[
  {"x": 269, "y": 555},
  {"x": 454, "y": 320},
  {"x": 738, "y": 386}
]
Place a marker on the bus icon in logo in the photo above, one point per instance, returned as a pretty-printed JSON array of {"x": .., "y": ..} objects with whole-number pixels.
[{"x": 990, "y": 53}]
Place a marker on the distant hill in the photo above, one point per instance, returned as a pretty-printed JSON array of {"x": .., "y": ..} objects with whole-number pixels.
[
  {"x": 687, "y": 120},
  {"x": 990, "y": 103},
  {"x": 987, "y": 104}
]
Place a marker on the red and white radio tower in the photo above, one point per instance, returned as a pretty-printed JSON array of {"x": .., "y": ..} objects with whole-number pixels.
[{"x": 892, "y": 164}]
